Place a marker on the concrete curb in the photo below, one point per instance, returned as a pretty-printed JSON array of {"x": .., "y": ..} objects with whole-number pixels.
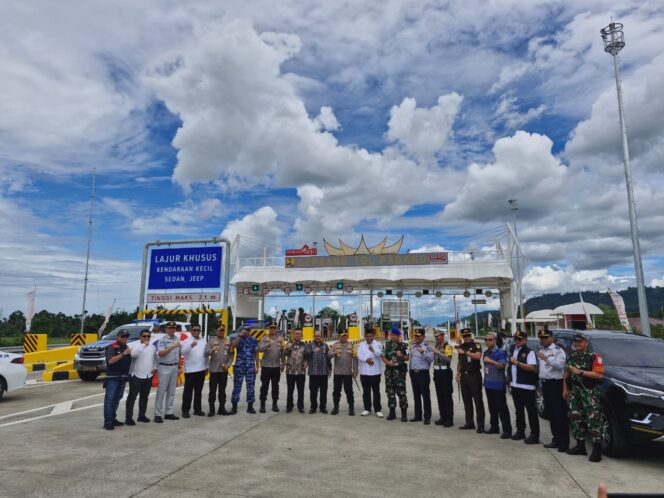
[
  {"x": 60, "y": 375},
  {"x": 38, "y": 367}
]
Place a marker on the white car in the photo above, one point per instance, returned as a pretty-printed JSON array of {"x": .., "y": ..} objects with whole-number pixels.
[{"x": 12, "y": 372}]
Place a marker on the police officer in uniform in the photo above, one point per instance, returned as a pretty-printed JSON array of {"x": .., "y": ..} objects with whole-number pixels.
[
  {"x": 442, "y": 379},
  {"x": 345, "y": 370},
  {"x": 469, "y": 376},
  {"x": 270, "y": 346},
  {"x": 551, "y": 360},
  {"x": 168, "y": 352},
  {"x": 395, "y": 357},
  {"x": 583, "y": 372},
  {"x": 220, "y": 361},
  {"x": 246, "y": 366},
  {"x": 421, "y": 357}
]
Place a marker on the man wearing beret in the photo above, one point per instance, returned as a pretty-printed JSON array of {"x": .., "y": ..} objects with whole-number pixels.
[{"x": 395, "y": 357}]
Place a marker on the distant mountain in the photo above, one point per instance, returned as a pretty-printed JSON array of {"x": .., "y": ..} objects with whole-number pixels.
[{"x": 435, "y": 320}]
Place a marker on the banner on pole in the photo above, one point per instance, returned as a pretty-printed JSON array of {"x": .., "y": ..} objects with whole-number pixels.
[
  {"x": 30, "y": 313},
  {"x": 109, "y": 312},
  {"x": 619, "y": 304}
]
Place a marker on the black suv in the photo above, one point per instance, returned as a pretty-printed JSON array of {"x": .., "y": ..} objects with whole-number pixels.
[{"x": 632, "y": 388}]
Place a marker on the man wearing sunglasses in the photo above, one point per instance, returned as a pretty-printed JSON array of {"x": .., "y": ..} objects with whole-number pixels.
[
  {"x": 469, "y": 377},
  {"x": 195, "y": 368},
  {"x": 551, "y": 371},
  {"x": 143, "y": 367},
  {"x": 523, "y": 379}
]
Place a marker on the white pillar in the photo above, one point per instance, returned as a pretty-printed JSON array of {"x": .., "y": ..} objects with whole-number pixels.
[{"x": 359, "y": 289}]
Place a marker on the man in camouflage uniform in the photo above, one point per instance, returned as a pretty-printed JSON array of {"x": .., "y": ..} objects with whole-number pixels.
[
  {"x": 583, "y": 372},
  {"x": 246, "y": 366},
  {"x": 395, "y": 357}
]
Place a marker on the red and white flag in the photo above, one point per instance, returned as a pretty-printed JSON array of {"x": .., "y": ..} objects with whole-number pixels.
[
  {"x": 109, "y": 312},
  {"x": 30, "y": 313},
  {"x": 619, "y": 304}
]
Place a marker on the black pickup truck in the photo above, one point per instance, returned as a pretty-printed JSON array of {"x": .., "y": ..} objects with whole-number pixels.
[{"x": 632, "y": 388}]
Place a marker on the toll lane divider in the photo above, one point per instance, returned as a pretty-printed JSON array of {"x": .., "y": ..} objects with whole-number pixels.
[
  {"x": 64, "y": 371},
  {"x": 58, "y": 354},
  {"x": 38, "y": 367}
]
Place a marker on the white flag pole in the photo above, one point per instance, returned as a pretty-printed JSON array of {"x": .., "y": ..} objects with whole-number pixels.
[{"x": 30, "y": 312}]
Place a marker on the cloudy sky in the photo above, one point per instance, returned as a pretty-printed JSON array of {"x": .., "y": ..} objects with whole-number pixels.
[{"x": 292, "y": 121}]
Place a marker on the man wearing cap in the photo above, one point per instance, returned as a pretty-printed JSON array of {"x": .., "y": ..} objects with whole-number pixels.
[
  {"x": 442, "y": 379},
  {"x": 345, "y": 370},
  {"x": 245, "y": 368},
  {"x": 195, "y": 368},
  {"x": 395, "y": 357},
  {"x": 270, "y": 346},
  {"x": 168, "y": 358},
  {"x": 296, "y": 367},
  {"x": 469, "y": 377},
  {"x": 220, "y": 361},
  {"x": 583, "y": 373},
  {"x": 421, "y": 357},
  {"x": 118, "y": 363},
  {"x": 551, "y": 360},
  {"x": 369, "y": 365},
  {"x": 495, "y": 386},
  {"x": 320, "y": 368},
  {"x": 522, "y": 376},
  {"x": 143, "y": 367}
]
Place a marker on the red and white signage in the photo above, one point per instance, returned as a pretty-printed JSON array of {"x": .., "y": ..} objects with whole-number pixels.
[{"x": 304, "y": 251}]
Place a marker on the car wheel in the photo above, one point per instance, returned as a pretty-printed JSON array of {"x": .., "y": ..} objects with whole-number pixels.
[
  {"x": 87, "y": 376},
  {"x": 614, "y": 441},
  {"x": 541, "y": 406},
  {"x": 3, "y": 387}
]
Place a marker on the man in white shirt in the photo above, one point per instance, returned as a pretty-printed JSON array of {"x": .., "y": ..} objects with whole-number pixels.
[
  {"x": 551, "y": 370},
  {"x": 369, "y": 362},
  {"x": 143, "y": 367},
  {"x": 195, "y": 368},
  {"x": 523, "y": 382}
]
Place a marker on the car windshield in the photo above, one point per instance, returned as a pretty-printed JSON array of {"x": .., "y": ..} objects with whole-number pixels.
[
  {"x": 630, "y": 353},
  {"x": 134, "y": 333}
]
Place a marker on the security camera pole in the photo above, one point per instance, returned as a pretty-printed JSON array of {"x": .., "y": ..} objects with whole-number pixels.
[{"x": 614, "y": 41}]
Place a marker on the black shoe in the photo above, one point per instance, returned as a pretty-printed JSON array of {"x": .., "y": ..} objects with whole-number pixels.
[
  {"x": 579, "y": 449},
  {"x": 312, "y": 411},
  {"x": 416, "y": 419},
  {"x": 223, "y": 411},
  {"x": 427, "y": 421},
  {"x": 393, "y": 414},
  {"x": 596, "y": 455},
  {"x": 145, "y": 420},
  {"x": 448, "y": 424},
  {"x": 234, "y": 409},
  {"x": 250, "y": 408},
  {"x": 466, "y": 427},
  {"x": 532, "y": 440},
  {"x": 505, "y": 435},
  {"x": 184, "y": 415},
  {"x": 404, "y": 414},
  {"x": 323, "y": 410},
  {"x": 518, "y": 435},
  {"x": 301, "y": 410},
  {"x": 351, "y": 410},
  {"x": 289, "y": 409},
  {"x": 158, "y": 419},
  {"x": 563, "y": 449},
  {"x": 200, "y": 413},
  {"x": 262, "y": 409},
  {"x": 129, "y": 421},
  {"x": 492, "y": 430},
  {"x": 171, "y": 416},
  {"x": 275, "y": 407},
  {"x": 551, "y": 445},
  {"x": 117, "y": 423},
  {"x": 480, "y": 429},
  {"x": 335, "y": 410},
  {"x": 211, "y": 413},
  {"x": 109, "y": 427},
  {"x": 439, "y": 422}
]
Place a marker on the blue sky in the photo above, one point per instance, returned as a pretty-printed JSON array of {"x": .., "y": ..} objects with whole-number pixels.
[{"x": 306, "y": 121}]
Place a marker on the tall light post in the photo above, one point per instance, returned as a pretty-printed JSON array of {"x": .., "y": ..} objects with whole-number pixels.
[
  {"x": 614, "y": 41},
  {"x": 514, "y": 207}
]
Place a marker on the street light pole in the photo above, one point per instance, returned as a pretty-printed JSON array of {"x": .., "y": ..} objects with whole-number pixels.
[{"x": 614, "y": 41}]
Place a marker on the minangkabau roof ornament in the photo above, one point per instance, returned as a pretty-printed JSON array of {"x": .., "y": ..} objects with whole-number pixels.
[{"x": 346, "y": 250}]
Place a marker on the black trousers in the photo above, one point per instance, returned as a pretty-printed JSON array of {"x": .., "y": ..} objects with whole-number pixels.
[
  {"x": 218, "y": 381},
  {"x": 141, "y": 388},
  {"x": 292, "y": 381},
  {"x": 471, "y": 391},
  {"x": 526, "y": 399},
  {"x": 420, "y": 381},
  {"x": 273, "y": 375},
  {"x": 497, "y": 400},
  {"x": 442, "y": 379},
  {"x": 193, "y": 384},
  {"x": 347, "y": 382},
  {"x": 371, "y": 388},
  {"x": 318, "y": 384},
  {"x": 552, "y": 390}
]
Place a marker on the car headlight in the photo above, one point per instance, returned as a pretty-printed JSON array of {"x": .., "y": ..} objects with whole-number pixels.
[
  {"x": 78, "y": 353},
  {"x": 638, "y": 390}
]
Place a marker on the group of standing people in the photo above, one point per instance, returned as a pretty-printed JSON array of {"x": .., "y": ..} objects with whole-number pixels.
[{"x": 569, "y": 384}]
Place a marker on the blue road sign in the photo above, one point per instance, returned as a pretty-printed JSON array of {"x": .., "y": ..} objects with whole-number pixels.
[{"x": 185, "y": 268}]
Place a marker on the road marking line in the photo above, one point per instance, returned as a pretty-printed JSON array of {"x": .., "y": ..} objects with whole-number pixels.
[
  {"x": 39, "y": 383},
  {"x": 48, "y": 406},
  {"x": 61, "y": 408},
  {"x": 49, "y": 415}
]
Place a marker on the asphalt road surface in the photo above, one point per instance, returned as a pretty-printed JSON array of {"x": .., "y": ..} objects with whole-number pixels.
[{"x": 53, "y": 444}]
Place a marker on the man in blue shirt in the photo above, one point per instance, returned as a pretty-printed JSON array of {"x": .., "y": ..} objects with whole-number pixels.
[
  {"x": 246, "y": 366},
  {"x": 118, "y": 362},
  {"x": 495, "y": 383}
]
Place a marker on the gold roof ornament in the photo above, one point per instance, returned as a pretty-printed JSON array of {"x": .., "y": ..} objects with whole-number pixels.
[{"x": 346, "y": 250}]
